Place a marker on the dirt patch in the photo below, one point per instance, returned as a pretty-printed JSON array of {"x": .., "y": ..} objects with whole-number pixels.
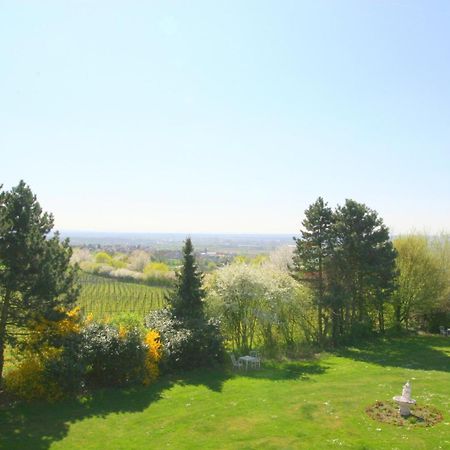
[{"x": 421, "y": 416}]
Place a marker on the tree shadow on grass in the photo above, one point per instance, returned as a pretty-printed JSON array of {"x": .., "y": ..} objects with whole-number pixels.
[
  {"x": 417, "y": 352},
  {"x": 286, "y": 371},
  {"x": 36, "y": 426}
]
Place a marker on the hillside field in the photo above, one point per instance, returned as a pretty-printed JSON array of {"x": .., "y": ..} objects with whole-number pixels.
[{"x": 104, "y": 297}]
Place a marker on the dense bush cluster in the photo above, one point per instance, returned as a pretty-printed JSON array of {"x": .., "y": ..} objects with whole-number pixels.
[
  {"x": 67, "y": 356},
  {"x": 187, "y": 345}
]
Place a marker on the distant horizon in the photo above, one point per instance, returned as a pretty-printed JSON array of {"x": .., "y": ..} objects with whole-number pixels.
[
  {"x": 213, "y": 233},
  {"x": 176, "y": 233}
]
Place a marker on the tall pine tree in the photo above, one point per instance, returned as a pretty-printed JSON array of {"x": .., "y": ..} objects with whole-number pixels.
[
  {"x": 364, "y": 260},
  {"x": 313, "y": 248},
  {"x": 187, "y": 300}
]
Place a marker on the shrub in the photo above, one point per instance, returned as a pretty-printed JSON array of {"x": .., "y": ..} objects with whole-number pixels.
[
  {"x": 50, "y": 365},
  {"x": 187, "y": 344},
  {"x": 153, "y": 356},
  {"x": 29, "y": 380},
  {"x": 61, "y": 357},
  {"x": 113, "y": 356}
]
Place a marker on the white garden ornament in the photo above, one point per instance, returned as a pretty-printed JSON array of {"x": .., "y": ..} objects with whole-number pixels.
[{"x": 405, "y": 401}]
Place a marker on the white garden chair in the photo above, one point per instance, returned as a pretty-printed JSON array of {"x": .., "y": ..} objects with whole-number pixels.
[
  {"x": 236, "y": 363},
  {"x": 257, "y": 359}
]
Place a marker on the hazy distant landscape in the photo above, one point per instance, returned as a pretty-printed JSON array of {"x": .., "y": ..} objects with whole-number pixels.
[{"x": 227, "y": 243}]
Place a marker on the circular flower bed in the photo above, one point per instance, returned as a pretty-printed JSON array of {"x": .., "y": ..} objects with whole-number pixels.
[{"x": 387, "y": 412}]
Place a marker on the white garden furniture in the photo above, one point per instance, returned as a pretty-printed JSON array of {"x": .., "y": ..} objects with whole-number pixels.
[
  {"x": 248, "y": 360},
  {"x": 237, "y": 364}
]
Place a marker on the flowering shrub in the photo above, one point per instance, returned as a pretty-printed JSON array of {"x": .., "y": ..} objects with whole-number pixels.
[
  {"x": 29, "y": 382},
  {"x": 153, "y": 356},
  {"x": 45, "y": 370},
  {"x": 62, "y": 357}
]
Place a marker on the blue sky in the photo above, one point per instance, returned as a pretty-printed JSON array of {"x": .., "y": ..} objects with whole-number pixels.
[{"x": 228, "y": 116}]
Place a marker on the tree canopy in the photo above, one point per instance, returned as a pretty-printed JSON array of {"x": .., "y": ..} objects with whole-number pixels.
[
  {"x": 36, "y": 278},
  {"x": 187, "y": 300},
  {"x": 347, "y": 257}
]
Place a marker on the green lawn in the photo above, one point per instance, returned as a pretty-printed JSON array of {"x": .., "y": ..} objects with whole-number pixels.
[{"x": 306, "y": 404}]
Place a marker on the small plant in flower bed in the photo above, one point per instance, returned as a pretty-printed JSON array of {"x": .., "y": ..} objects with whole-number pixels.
[{"x": 387, "y": 412}]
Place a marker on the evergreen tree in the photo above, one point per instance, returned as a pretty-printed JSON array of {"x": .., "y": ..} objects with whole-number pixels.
[
  {"x": 313, "y": 248},
  {"x": 187, "y": 300},
  {"x": 190, "y": 339},
  {"x": 35, "y": 273},
  {"x": 364, "y": 263}
]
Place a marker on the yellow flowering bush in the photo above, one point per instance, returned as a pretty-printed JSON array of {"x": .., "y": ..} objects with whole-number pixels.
[
  {"x": 64, "y": 356},
  {"x": 43, "y": 349},
  {"x": 154, "y": 353},
  {"x": 29, "y": 380}
]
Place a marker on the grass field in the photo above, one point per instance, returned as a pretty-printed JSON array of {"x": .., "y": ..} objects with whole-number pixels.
[
  {"x": 103, "y": 297},
  {"x": 314, "y": 404}
]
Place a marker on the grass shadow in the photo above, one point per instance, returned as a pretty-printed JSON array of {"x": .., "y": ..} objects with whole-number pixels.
[
  {"x": 417, "y": 352},
  {"x": 36, "y": 426},
  {"x": 285, "y": 371}
]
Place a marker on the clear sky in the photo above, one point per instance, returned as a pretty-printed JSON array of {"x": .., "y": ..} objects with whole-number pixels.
[{"x": 226, "y": 116}]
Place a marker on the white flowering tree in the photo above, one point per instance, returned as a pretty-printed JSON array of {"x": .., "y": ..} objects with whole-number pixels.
[{"x": 258, "y": 305}]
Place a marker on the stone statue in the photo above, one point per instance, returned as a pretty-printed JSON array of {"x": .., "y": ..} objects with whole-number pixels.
[{"x": 406, "y": 392}]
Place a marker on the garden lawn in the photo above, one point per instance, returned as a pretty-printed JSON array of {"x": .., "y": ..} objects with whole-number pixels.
[{"x": 306, "y": 404}]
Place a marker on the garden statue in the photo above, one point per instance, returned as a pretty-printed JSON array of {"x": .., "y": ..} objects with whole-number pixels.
[{"x": 405, "y": 401}]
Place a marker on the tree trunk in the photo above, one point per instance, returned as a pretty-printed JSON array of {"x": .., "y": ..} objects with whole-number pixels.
[
  {"x": 398, "y": 316},
  {"x": 3, "y": 319},
  {"x": 320, "y": 302},
  {"x": 381, "y": 318}
]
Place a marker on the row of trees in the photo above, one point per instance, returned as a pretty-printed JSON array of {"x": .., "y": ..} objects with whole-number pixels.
[
  {"x": 348, "y": 259},
  {"x": 360, "y": 278}
]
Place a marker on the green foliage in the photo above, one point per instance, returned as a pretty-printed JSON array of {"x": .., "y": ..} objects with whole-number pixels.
[
  {"x": 62, "y": 358},
  {"x": 349, "y": 260},
  {"x": 258, "y": 304},
  {"x": 111, "y": 358},
  {"x": 117, "y": 261},
  {"x": 36, "y": 277},
  {"x": 128, "y": 320},
  {"x": 362, "y": 268},
  {"x": 422, "y": 296},
  {"x": 152, "y": 267},
  {"x": 103, "y": 258},
  {"x": 189, "y": 339},
  {"x": 312, "y": 253},
  {"x": 49, "y": 365},
  {"x": 186, "y": 300},
  {"x": 187, "y": 345}
]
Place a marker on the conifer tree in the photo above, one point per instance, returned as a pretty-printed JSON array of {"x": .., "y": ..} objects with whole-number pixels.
[
  {"x": 364, "y": 260},
  {"x": 187, "y": 300},
  {"x": 35, "y": 273},
  {"x": 313, "y": 248}
]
